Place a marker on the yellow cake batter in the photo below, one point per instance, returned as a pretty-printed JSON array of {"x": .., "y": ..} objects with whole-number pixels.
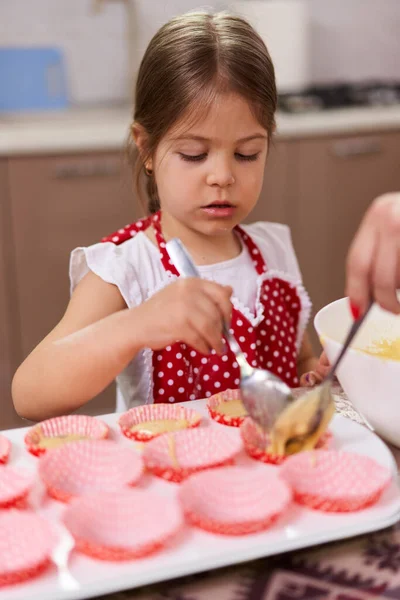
[
  {"x": 160, "y": 426},
  {"x": 232, "y": 408},
  {"x": 172, "y": 451},
  {"x": 294, "y": 421},
  {"x": 59, "y": 440},
  {"x": 385, "y": 349}
]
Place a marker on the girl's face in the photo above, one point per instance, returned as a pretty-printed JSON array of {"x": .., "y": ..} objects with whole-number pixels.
[{"x": 209, "y": 177}]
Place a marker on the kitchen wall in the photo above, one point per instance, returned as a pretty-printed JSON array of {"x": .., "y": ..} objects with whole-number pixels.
[
  {"x": 351, "y": 39},
  {"x": 355, "y": 39}
]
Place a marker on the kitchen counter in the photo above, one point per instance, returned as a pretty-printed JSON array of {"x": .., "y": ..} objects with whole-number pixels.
[{"x": 91, "y": 129}]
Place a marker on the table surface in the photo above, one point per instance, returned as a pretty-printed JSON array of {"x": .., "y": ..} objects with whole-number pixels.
[{"x": 362, "y": 568}]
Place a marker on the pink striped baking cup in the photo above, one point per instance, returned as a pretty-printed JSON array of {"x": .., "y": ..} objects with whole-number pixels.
[
  {"x": 148, "y": 421},
  {"x": 256, "y": 443},
  {"x": 5, "y": 448},
  {"x": 26, "y": 542},
  {"x": 123, "y": 525},
  {"x": 14, "y": 487},
  {"x": 55, "y": 432},
  {"x": 177, "y": 455},
  {"x": 234, "y": 500},
  {"x": 91, "y": 465},
  {"x": 216, "y": 403},
  {"x": 335, "y": 481}
]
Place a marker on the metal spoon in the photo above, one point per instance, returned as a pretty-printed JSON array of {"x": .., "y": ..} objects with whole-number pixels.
[
  {"x": 317, "y": 405},
  {"x": 263, "y": 394}
]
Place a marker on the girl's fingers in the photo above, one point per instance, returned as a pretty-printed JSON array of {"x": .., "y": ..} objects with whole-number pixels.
[
  {"x": 220, "y": 295},
  {"x": 310, "y": 379},
  {"x": 206, "y": 321}
]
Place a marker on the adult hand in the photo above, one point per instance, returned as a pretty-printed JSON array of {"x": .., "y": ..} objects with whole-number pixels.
[{"x": 373, "y": 264}]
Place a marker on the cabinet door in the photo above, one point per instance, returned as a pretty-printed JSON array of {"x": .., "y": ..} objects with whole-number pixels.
[
  {"x": 59, "y": 203},
  {"x": 337, "y": 180},
  {"x": 9, "y": 332},
  {"x": 276, "y": 195}
]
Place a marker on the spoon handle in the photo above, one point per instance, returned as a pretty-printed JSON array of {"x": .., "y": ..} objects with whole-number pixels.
[
  {"x": 350, "y": 336},
  {"x": 181, "y": 258}
]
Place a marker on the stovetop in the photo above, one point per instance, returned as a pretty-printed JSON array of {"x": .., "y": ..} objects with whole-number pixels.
[{"x": 326, "y": 97}]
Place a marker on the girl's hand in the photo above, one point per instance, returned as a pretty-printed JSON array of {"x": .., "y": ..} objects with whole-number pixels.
[
  {"x": 315, "y": 377},
  {"x": 190, "y": 310}
]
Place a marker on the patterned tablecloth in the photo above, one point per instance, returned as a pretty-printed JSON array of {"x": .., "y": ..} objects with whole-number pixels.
[{"x": 362, "y": 568}]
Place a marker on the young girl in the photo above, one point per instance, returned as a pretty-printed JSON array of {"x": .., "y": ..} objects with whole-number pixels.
[{"x": 203, "y": 123}]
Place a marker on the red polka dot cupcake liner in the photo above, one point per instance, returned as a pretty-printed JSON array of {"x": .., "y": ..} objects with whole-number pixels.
[
  {"x": 89, "y": 466},
  {"x": 123, "y": 525},
  {"x": 176, "y": 456},
  {"x": 26, "y": 542},
  {"x": 137, "y": 422},
  {"x": 73, "y": 426},
  {"x": 217, "y": 401},
  {"x": 5, "y": 449},
  {"x": 234, "y": 500},
  {"x": 14, "y": 487},
  {"x": 335, "y": 481},
  {"x": 256, "y": 443}
]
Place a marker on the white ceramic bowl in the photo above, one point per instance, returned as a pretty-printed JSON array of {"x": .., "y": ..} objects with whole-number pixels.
[{"x": 371, "y": 383}]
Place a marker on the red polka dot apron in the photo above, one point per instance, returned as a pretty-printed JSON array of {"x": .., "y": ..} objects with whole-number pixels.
[{"x": 181, "y": 373}]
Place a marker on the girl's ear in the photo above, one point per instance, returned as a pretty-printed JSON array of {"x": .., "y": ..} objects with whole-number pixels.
[{"x": 140, "y": 137}]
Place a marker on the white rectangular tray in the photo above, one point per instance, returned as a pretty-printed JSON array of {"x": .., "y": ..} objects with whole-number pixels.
[{"x": 196, "y": 550}]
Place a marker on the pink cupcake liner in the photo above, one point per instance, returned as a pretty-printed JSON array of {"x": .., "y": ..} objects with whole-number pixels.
[
  {"x": 24, "y": 574},
  {"x": 155, "y": 412},
  {"x": 14, "y": 487},
  {"x": 177, "y": 455},
  {"x": 256, "y": 442},
  {"x": 76, "y": 425},
  {"x": 123, "y": 525},
  {"x": 26, "y": 542},
  {"x": 234, "y": 500},
  {"x": 215, "y": 401},
  {"x": 85, "y": 467},
  {"x": 335, "y": 481},
  {"x": 5, "y": 448}
]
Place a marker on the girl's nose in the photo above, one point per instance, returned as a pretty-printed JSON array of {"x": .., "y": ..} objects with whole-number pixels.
[{"x": 220, "y": 174}]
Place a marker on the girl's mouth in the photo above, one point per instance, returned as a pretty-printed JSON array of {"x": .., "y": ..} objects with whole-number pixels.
[{"x": 219, "y": 209}]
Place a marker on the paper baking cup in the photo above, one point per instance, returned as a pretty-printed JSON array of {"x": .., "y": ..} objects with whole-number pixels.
[
  {"x": 26, "y": 542},
  {"x": 62, "y": 427},
  {"x": 123, "y": 525},
  {"x": 84, "y": 467},
  {"x": 234, "y": 500},
  {"x": 335, "y": 481},
  {"x": 256, "y": 443},
  {"x": 214, "y": 403},
  {"x": 151, "y": 413},
  {"x": 177, "y": 455},
  {"x": 14, "y": 487},
  {"x": 5, "y": 448}
]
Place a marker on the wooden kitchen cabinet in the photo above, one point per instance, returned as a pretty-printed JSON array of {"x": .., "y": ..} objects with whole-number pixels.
[
  {"x": 9, "y": 331},
  {"x": 59, "y": 203},
  {"x": 337, "y": 179},
  {"x": 279, "y": 186}
]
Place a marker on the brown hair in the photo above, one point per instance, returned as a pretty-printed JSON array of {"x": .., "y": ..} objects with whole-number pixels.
[{"x": 190, "y": 60}]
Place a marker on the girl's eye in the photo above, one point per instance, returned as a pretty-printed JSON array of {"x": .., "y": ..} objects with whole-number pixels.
[
  {"x": 247, "y": 157},
  {"x": 193, "y": 157}
]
